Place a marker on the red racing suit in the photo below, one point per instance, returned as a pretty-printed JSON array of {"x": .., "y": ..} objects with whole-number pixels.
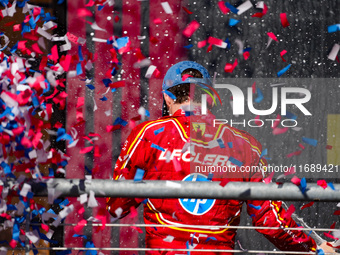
[{"x": 181, "y": 148}]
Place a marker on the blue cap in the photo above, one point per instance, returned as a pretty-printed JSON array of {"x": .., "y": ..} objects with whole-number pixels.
[{"x": 173, "y": 76}]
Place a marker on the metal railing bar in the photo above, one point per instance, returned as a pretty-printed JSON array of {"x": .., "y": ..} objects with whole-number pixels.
[
  {"x": 194, "y": 226},
  {"x": 167, "y": 249},
  {"x": 180, "y": 189}
]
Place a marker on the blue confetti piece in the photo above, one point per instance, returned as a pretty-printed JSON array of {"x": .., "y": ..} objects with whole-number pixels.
[
  {"x": 259, "y": 97},
  {"x": 188, "y": 46},
  {"x": 231, "y": 8},
  {"x": 6, "y": 167},
  {"x": 187, "y": 245},
  {"x": 320, "y": 252},
  {"x": 147, "y": 113},
  {"x": 235, "y": 162},
  {"x": 256, "y": 207},
  {"x": 139, "y": 175},
  {"x": 220, "y": 143},
  {"x": 100, "y": 7},
  {"x": 104, "y": 98},
  {"x": 331, "y": 185},
  {"x": 233, "y": 22},
  {"x": 11, "y": 207},
  {"x": 88, "y": 170},
  {"x": 79, "y": 69},
  {"x": 210, "y": 238},
  {"x": 333, "y": 28},
  {"x": 16, "y": 232},
  {"x": 83, "y": 236},
  {"x": 210, "y": 176},
  {"x": 113, "y": 90},
  {"x": 192, "y": 239},
  {"x": 160, "y": 130},
  {"x": 90, "y": 245},
  {"x": 228, "y": 43},
  {"x": 60, "y": 1},
  {"x": 64, "y": 252},
  {"x": 247, "y": 49},
  {"x": 282, "y": 71},
  {"x": 303, "y": 185},
  {"x": 90, "y": 86},
  {"x": 114, "y": 71},
  {"x": 120, "y": 121},
  {"x": 290, "y": 115},
  {"x": 189, "y": 113},
  {"x": 106, "y": 82},
  {"x": 157, "y": 147},
  {"x": 264, "y": 153},
  {"x": 310, "y": 141},
  {"x": 80, "y": 54},
  {"x": 172, "y": 96},
  {"x": 230, "y": 144},
  {"x": 122, "y": 42},
  {"x": 64, "y": 203}
]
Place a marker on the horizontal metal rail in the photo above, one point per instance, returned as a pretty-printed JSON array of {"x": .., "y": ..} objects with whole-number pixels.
[
  {"x": 141, "y": 225},
  {"x": 168, "y": 249},
  {"x": 180, "y": 189}
]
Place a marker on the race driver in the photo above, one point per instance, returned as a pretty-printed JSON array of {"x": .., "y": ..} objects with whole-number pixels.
[{"x": 178, "y": 147}]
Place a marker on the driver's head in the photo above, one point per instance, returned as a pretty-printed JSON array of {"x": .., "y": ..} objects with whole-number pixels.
[{"x": 179, "y": 80}]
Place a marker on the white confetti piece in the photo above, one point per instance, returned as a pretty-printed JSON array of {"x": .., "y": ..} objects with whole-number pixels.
[
  {"x": 66, "y": 211},
  {"x": 334, "y": 52},
  {"x": 173, "y": 184},
  {"x": 166, "y": 7},
  {"x": 83, "y": 198},
  {"x": 25, "y": 189},
  {"x": 168, "y": 239},
  {"x": 92, "y": 202},
  {"x": 244, "y": 7},
  {"x": 150, "y": 71},
  {"x": 43, "y": 33},
  {"x": 95, "y": 26},
  {"x": 33, "y": 236}
]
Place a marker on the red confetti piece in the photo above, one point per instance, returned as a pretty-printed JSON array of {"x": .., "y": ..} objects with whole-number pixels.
[
  {"x": 278, "y": 131},
  {"x": 112, "y": 128},
  {"x": 117, "y": 84},
  {"x": 80, "y": 102},
  {"x": 86, "y": 150},
  {"x": 191, "y": 28},
  {"x": 201, "y": 44},
  {"x": 272, "y": 36},
  {"x": 296, "y": 180},
  {"x": 96, "y": 152},
  {"x": 187, "y": 11},
  {"x": 322, "y": 183},
  {"x": 253, "y": 87},
  {"x": 133, "y": 212},
  {"x": 246, "y": 55},
  {"x": 295, "y": 153},
  {"x": 330, "y": 236},
  {"x": 209, "y": 48},
  {"x": 13, "y": 243},
  {"x": 337, "y": 212},
  {"x": 307, "y": 205},
  {"x": 301, "y": 146},
  {"x": 17, "y": 27},
  {"x": 157, "y": 21},
  {"x": 222, "y": 7},
  {"x": 284, "y": 20},
  {"x": 83, "y": 12},
  {"x": 229, "y": 68},
  {"x": 215, "y": 41},
  {"x": 269, "y": 178},
  {"x": 257, "y": 120},
  {"x": 45, "y": 227},
  {"x": 224, "y": 182},
  {"x": 185, "y": 76},
  {"x": 289, "y": 212},
  {"x": 54, "y": 52},
  {"x": 281, "y": 54},
  {"x": 80, "y": 225},
  {"x": 329, "y": 147},
  {"x": 35, "y": 48}
]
